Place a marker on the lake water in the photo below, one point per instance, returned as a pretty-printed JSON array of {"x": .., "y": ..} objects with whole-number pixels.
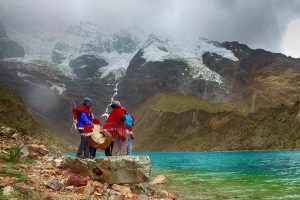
[{"x": 230, "y": 175}]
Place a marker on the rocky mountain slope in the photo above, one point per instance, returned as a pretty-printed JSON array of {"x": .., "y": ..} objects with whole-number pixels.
[
  {"x": 14, "y": 114},
  {"x": 59, "y": 69},
  {"x": 171, "y": 122},
  {"x": 9, "y": 48}
]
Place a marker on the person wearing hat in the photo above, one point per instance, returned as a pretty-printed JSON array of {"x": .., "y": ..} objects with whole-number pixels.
[
  {"x": 83, "y": 117},
  {"x": 115, "y": 125}
]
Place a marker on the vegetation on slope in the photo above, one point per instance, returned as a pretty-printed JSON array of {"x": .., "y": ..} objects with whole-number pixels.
[
  {"x": 177, "y": 103},
  {"x": 13, "y": 113},
  {"x": 200, "y": 130}
]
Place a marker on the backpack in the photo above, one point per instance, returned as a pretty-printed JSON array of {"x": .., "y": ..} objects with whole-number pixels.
[{"x": 128, "y": 120}]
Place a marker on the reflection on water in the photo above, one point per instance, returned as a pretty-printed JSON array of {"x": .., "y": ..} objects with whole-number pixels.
[{"x": 230, "y": 175}]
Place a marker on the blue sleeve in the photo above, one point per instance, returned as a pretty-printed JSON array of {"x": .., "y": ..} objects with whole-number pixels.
[{"x": 84, "y": 119}]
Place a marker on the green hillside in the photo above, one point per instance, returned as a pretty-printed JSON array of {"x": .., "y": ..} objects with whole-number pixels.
[
  {"x": 180, "y": 103},
  {"x": 14, "y": 114}
]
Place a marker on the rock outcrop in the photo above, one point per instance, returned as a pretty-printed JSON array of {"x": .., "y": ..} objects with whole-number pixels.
[
  {"x": 9, "y": 48},
  {"x": 145, "y": 79},
  {"x": 60, "y": 52},
  {"x": 112, "y": 170},
  {"x": 86, "y": 66}
]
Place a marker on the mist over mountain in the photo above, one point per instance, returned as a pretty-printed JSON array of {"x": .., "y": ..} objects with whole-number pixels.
[{"x": 260, "y": 24}]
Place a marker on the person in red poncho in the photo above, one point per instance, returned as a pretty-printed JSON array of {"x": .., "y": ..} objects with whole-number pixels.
[
  {"x": 115, "y": 125},
  {"x": 83, "y": 117}
]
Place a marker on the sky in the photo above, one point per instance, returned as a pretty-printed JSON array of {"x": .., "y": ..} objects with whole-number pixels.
[{"x": 257, "y": 23}]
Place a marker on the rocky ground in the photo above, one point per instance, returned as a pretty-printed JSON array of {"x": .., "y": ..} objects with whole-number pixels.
[{"x": 28, "y": 170}]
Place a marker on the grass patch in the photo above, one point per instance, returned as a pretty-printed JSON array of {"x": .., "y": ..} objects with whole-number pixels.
[
  {"x": 21, "y": 177},
  {"x": 13, "y": 155},
  {"x": 181, "y": 103}
]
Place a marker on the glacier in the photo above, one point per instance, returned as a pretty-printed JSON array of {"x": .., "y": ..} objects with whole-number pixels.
[{"x": 117, "y": 48}]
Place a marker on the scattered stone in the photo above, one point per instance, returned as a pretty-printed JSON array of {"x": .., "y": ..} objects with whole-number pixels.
[
  {"x": 58, "y": 162},
  {"x": 7, "y": 191},
  {"x": 50, "y": 159},
  {"x": 47, "y": 166},
  {"x": 6, "y": 181},
  {"x": 89, "y": 189},
  {"x": 6, "y": 131},
  {"x": 165, "y": 194},
  {"x": 80, "y": 189},
  {"x": 36, "y": 151},
  {"x": 76, "y": 180},
  {"x": 141, "y": 188},
  {"x": 116, "y": 197},
  {"x": 126, "y": 191},
  {"x": 160, "y": 179},
  {"x": 24, "y": 151},
  {"x": 71, "y": 187},
  {"x": 16, "y": 136},
  {"x": 142, "y": 197},
  {"x": 99, "y": 187},
  {"x": 114, "y": 170},
  {"x": 54, "y": 184}
]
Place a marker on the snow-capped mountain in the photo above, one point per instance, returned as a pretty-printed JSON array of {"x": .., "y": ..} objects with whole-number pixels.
[
  {"x": 61, "y": 67},
  {"x": 97, "y": 46}
]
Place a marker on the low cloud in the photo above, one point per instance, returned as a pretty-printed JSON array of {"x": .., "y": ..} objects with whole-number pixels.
[{"x": 258, "y": 23}]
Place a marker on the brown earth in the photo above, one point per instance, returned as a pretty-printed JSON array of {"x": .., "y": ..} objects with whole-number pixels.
[
  {"x": 39, "y": 174},
  {"x": 199, "y": 130}
]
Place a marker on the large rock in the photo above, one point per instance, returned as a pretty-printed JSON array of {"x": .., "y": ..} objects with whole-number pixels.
[{"x": 112, "y": 170}]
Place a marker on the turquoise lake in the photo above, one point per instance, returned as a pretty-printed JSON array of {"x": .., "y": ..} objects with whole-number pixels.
[{"x": 230, "y": 175}]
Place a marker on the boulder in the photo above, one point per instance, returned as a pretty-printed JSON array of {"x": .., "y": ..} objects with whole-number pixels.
[
  {"x": 76, "y": 180},
  {"x": 54, "y": 184},
  {"x": 112, "y": 170}
]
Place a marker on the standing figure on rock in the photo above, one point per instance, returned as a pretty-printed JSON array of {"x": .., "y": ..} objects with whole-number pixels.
[
  {"x": 115, "y": 125},
  {"x": 83, "y": 117}
]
